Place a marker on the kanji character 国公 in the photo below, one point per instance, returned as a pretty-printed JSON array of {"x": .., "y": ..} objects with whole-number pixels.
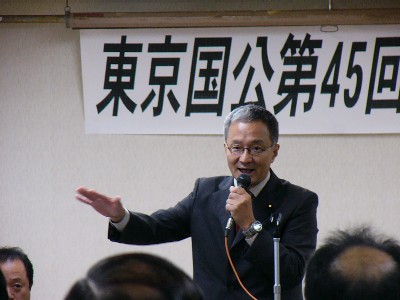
[
  {"x": 209, "y": 70},
  {"x": 268, "y": 71}
]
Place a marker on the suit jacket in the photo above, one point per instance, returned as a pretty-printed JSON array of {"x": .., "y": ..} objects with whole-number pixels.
[{"x": 202, "y": 216}]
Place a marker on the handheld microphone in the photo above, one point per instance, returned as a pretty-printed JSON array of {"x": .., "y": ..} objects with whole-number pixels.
[{"x": 243, "y": 181}]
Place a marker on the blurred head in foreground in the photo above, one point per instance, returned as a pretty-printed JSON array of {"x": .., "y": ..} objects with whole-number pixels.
[{"x": 136, "y": 276}]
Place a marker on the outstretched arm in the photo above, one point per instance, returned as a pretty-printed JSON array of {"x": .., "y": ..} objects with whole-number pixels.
[{"x": 105, "y": 205}]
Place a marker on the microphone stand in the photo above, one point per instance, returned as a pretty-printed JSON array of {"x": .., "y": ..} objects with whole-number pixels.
[{"x": 277, "y": 275}]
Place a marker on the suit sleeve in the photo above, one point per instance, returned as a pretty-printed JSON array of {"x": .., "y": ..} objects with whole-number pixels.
[{"x": 165, "y": 225}]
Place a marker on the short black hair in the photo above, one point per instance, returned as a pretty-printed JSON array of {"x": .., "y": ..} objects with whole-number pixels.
[
  {"x": 16, "y": 253},
  {"x": 3, "y": 287},
  {"x": 323, "y": 280},
  {"x": 138, "y": 276}
]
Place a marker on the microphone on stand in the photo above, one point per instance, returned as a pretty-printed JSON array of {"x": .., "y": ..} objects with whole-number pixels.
[
  {"x": 243, "y": 181},
  {"x": 277, "y": 268}
]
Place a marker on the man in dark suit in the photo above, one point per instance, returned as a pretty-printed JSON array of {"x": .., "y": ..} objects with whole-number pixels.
[{"x": 251, "y": 145}]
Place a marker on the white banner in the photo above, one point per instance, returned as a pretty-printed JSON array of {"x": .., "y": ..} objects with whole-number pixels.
[{"x": 186, "y": 80}]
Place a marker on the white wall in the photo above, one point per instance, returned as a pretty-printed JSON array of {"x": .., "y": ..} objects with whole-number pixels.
[{"x": 45, "y": 155}]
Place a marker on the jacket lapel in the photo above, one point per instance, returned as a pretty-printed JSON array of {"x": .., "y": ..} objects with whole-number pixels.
[{"x": 268, "y": 201}]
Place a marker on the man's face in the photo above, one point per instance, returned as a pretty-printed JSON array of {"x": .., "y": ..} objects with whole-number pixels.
[
  {"x": 247, "y": 135},
  {"x": 16, "y": 279}
]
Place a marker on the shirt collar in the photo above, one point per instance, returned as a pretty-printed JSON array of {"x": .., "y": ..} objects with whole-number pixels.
[{"x": 257, "y": 189}]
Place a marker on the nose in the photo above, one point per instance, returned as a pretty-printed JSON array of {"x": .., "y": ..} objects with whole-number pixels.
[{"x": 245, "y": 157}]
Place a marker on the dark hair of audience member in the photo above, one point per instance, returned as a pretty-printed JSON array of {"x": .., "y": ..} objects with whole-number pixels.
[
  {"x": 137, "y": 276},
  {"x": 16, "y": 253},
  {"x": 3, "y": 287},
  {"x": 354, "y": 265}
]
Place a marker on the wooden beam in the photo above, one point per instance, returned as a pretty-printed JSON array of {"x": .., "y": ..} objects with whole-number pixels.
[
  {"x": 214, "y": 19},
  {"x": 236, "y": 19},
  {"x": 10, "y": 19}
]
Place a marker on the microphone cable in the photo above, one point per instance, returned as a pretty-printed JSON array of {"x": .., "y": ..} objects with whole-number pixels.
[
  {"x": 243, "y": 181},
  {"x": 234, "y": 269}
]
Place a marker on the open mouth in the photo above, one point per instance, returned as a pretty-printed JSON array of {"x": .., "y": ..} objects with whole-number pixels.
[{"x": 246, "y": 171}]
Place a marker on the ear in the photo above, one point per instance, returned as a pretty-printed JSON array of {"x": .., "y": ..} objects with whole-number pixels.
[
  {"x": 275, "y": 151},
  {"x": 226, "y": 149}
]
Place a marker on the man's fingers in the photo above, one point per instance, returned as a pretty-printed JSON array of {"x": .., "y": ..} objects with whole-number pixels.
[
  {"x": 83, "y": 199},
  {"x": 82, "y": 190},
  {"x": 90, "y": 194}
]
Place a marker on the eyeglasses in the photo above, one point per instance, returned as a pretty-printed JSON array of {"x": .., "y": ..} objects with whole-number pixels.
[{"x": 253, "y": 150}]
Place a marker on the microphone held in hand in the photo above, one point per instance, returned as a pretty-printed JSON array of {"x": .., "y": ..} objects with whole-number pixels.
[{"x": 243, "y": 181}]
